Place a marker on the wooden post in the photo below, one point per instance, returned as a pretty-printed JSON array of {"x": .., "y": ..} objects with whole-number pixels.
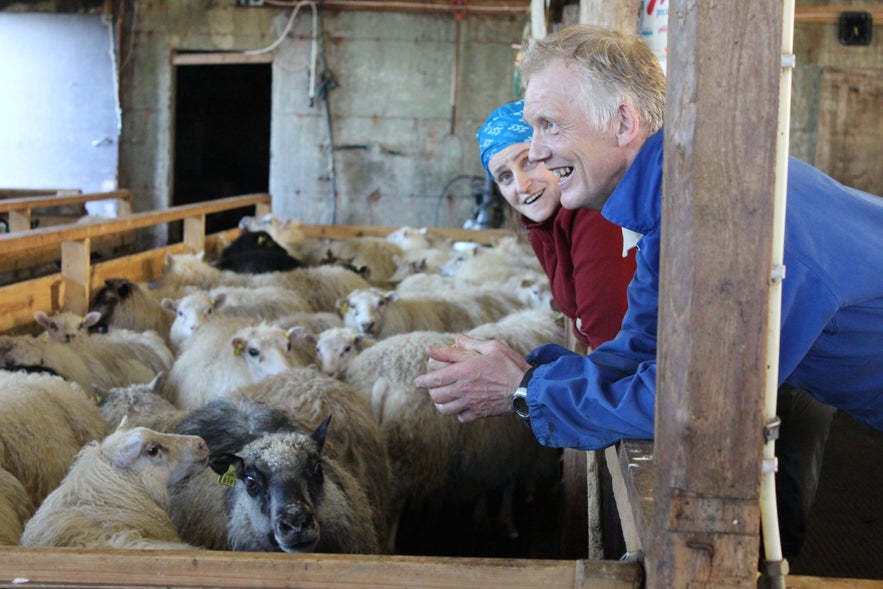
[
  {"x": 19, "y": 220},
  {"x": 75, "y": 270},
  {"x": 720, "y": 149},
  {"x": 194, "y": 233}
]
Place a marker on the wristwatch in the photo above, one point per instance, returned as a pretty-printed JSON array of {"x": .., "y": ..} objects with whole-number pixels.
[{"x": 519, "y": 398}]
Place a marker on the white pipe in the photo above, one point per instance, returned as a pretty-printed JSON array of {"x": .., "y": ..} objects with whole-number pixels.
[
  {"x": 313, "y": 42},
  {"x": 537, "y": 19},
  {"x": 769, "y": 513}
]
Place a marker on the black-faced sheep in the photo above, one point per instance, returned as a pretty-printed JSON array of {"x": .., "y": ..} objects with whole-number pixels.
[
  {"x": 44, "y": 420},
  {"x": 128, "y": 305},
  {"x": 117, "y": 495},
  {"x": 16, "y": 507},
  {"x": 307, "y": 397},
  {"x": 284, "y": 492},
  {"x": 256, "y": 252},
  {"x": 66, "y": 326}
]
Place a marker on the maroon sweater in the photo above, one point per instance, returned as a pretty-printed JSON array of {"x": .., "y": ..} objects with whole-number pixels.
[{"x": 581, "y": 253}]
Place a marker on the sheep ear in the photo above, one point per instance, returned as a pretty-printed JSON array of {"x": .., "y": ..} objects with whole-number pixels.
[
  {"x": 319, "y": 435},
  {"x": 124, "y": 423},
  {"x": 221, "y": 463},
  {"x": 219, "y": 300},
  {"x": 169, "y": 305},
  {"x": 238, "y": 346},
  {"x": 91, "y": 318},
  {"x": 129, "y": 450},
  {"x": 42, "y": 319}
]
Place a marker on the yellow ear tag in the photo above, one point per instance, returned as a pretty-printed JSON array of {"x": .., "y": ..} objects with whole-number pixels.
[
  {"x": 344, "y": 308},
  {"x": 237, "y": 351},
  {"x": 228, "y": 479},
  {"x": 261, "y": 239}
]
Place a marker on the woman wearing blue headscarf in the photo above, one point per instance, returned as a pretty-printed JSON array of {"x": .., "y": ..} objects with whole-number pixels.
[{"x": 581, "y": 252}]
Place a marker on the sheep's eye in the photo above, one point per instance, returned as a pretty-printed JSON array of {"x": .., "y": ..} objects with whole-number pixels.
[
  {"x": 153, "y": 450},
  {"x": 251, "y": 484},
  {"x": 254, "y": 352},
  {"x": 180, "y": 313},
  {"x": 347, "y": 349}
]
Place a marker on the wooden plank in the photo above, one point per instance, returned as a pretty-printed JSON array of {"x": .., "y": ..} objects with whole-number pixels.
[
  {"x": 849, "y": 127},
  {"x": 719, "y": 183},
  {"x": 633, "y": 474},
  {"x": 831, "y": 14},
  {"x": 52, "y": 236},
  {"x": 483, "y": 7},
  {"x": 20, "y": 192},
  {"x": 220, "y": 58},
  {"x": 158, "y": 568},
  {"x": 58, "y": 200},
  {"x": 484, "y": 236},
  {"x": 21, "y": 300}
]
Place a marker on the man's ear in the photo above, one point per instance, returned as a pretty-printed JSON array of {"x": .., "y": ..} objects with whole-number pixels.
[{"x": 628, "y": 125}]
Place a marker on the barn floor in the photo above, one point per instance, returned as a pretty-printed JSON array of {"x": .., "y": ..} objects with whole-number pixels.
[
  {"x": 845, "y": 530},
  {"x": 844, "y": 536}
]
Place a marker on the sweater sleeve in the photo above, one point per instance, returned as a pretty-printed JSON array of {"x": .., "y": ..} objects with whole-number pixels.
[{"x": 601, "y": 276}]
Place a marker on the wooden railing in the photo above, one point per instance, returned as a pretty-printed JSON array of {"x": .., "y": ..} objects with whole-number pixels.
[
  {"x": 72, "y": 244},
  {"x": 20, "y": 208}
]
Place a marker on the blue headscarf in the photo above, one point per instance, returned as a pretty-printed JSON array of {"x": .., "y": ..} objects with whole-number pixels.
[{"x": 504, "y": 127}]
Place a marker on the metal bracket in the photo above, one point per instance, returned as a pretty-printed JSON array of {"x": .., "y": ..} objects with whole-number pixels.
[{"x": 771, "y": 430}]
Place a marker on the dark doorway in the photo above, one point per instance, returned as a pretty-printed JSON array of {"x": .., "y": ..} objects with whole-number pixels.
[{"x": 222, "y": 135}]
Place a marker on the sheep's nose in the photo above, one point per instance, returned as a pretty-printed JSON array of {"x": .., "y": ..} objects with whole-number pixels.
[
  {"x": 368, "y": 327},
  {"x": 295, "y": 526}
]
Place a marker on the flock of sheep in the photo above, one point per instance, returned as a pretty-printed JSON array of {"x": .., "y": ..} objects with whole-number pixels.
[{"x": 265, "y": 401}]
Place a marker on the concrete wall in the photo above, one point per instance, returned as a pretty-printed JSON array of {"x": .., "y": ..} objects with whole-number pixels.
[{"x": 398, "y": 144}]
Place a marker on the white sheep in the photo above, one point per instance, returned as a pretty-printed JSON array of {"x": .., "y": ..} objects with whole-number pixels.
[
  {"x": 117, "y": 494},
  {"x": 183, "y": 271},
  {"x": 44, "y": 420},
  {"x": 413, "y": 238},
  {"x": 196, "y": 308},
  {"x": 321, "y": 286},
  {"x": 434, "y": 455},
  {"x": 282, "y": 489},
  {"x": 16, "y": 507},
  {"x": 479, "y": 266},
  {"x": 381, "y": 314},
  {"x": 224, "y": 355},
  {"x": 66, "y": 325},
  {"x": 335, "y": 348},
  {"x": 106, "y": 360},
  {"x": 375, "y": 254}
]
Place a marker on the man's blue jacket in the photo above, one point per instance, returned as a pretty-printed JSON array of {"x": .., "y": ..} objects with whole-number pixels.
[{"x": 831, "y": 340}]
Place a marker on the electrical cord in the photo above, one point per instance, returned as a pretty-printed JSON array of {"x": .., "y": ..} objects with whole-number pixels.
[{"x": 444, "y": 192}]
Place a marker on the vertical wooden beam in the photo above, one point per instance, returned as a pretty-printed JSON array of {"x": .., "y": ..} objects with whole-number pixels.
[
  {"x": 75, "y": 271},
  {"x": 262, "y": 209},
  {"x": 621, "y": 15},
  {"x": 19, "y": 220},
  {"x": 719, "y": 182},
  {"x": 194, "y": 233}
]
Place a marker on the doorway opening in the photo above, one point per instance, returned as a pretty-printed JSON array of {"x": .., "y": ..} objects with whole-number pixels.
[{"x": 222, "y": 134}]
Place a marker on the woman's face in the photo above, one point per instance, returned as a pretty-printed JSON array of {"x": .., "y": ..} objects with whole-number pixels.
[{"x": 529, "y": 187}]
